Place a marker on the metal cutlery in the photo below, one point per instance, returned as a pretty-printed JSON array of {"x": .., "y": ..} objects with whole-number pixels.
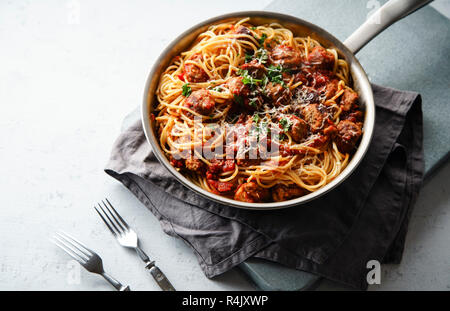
[
  {"x": 128, "y": 238},
  {"x": 86, "y": 257}
]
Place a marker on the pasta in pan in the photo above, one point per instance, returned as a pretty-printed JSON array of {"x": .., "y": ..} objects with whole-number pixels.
[{"x": 253, "y": 113}]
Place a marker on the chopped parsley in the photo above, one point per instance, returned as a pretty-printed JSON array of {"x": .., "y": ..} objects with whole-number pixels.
[
  {"x": 214, "y": 87},
  {"x": 286, "y": 125},
  {"x": 274, "y": 71},
  {"x": 250, "y": 80},
  {"x": 281, "y": 136},
  {"x": 217, "y": 89},
  {"x": 186, "y": 90},
  {"x": 247, "y": 78},
  {"x": 248, "y": 57},
  {"x": 256, "y": 118},
  {"x": 252, "y": 102},
  {"x": 261, "y": 129},
  {"x": 274, "y": 74},
  {"x": 262, "y": 39}
]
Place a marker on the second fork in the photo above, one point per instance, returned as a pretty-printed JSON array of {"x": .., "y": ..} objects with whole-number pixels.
[
  {"x": 128, "y": 238},
  {"x": 85, "y": 257}
]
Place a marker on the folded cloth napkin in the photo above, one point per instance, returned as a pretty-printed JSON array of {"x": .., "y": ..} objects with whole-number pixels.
[{"x": 365, "y": 218}]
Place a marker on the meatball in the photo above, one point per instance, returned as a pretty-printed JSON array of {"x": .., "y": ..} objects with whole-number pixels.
[
  {"x": 331, "y": 88},
  {"x": 301, "y": 76},
  {"x": 255, "y": 67},
  {"x": 348, "y": 100},
  {"x": 298, "y": 129},
  {"x": 330, "y": 130},
  {"x": 194, "y": 165},
  {"x": 244, "y": 35},
  {"x": 321, "y": 58},
  {"x": 313, "y": 117},
  {"x": 242, "y": 30},
  {"x": 354, "y": 116},
  {"x": 193, "y": 72},
  {"x": 319, "y": 141},
  {"x": 237, "y": 87},
  {"x": 286, "y": 56},
  {"x": 347, "y": 136},
  {"x": 319, "y": 78},
  {"x": 284, "y": 193},
  {"x": 201, "y": 101},
  {"x": 277, "y": 93},
  {"x": 252, "y": 193}
]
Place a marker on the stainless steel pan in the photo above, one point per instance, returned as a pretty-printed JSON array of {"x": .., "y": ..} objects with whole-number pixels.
[{"x": 380, "y": 20}]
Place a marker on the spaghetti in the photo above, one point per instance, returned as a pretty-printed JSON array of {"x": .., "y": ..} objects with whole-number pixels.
[{"x": 253, "y": 113}]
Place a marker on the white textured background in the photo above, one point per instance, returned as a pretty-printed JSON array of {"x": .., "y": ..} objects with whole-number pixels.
[{"x": 69, "y": 73}]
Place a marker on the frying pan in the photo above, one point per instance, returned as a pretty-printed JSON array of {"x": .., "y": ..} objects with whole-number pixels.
[{"x": 389, "y": 13}]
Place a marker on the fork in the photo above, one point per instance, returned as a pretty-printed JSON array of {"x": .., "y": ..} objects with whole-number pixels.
[
  {"x": 128, "y": 238},
  {"x": 85, "y": 257}
]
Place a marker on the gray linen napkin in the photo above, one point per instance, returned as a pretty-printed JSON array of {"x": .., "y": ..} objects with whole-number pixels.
[{"x": 363, "y": 219}]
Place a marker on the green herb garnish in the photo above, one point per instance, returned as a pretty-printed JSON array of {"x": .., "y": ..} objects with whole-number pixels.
[
  {"x": 281, "y": 136},
  {"x": 274, "y": 71},
  {"x": 247, "y": 78},
  {"x": 250, "y": 80},
  {"x": 256, "y": 118},
  {"x": 252, "y": 102},
  {"x": 217, "y": 89},
  {"x": 186, "y": 90},
  {"x": 261, "y": 129},
  {"x": 262, "y": 39},
  {"x": 274, "y": 74},
  {"x": 285, "y": 124}
]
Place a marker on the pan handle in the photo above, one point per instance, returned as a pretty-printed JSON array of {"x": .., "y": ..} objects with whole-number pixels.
[{"x": 384, "y": 17}]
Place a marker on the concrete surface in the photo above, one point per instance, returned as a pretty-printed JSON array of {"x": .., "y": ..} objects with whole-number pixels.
[{"x": 70, "y": 71}]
